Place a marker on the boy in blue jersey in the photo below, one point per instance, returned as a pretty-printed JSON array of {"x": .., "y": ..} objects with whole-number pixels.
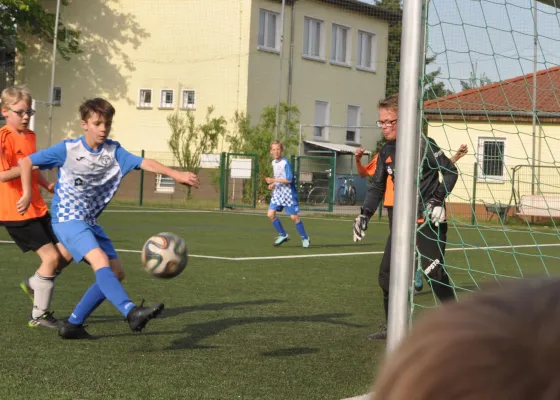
[
  {"x": 91, "y": 168},
  {"x": 284, "y": 195}
]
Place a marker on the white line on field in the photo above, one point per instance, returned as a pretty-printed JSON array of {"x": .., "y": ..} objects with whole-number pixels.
[
  {"x": 335, "y": 254},
  {"x": 158, "y": 211},
  {"x": 452, "y": 225},
  {"x": 255, "y": 214}
]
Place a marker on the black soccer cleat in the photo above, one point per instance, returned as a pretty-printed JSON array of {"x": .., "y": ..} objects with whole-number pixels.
[
  {"x": 139, "y": 316},
  {"x": 73, "y": 331},
  {"x": 381, "y": 335}
]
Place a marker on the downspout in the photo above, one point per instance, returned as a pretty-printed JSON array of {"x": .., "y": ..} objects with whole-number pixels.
[{"x": 291, "y": 57}]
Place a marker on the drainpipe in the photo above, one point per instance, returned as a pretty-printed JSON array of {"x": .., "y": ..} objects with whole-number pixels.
[{"x": 291, "y": 56}]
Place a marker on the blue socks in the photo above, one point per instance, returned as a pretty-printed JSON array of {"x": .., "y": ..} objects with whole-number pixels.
[
  {"x": 113, "y": 290},
  {"x": 280, "y": 229},
  {"x": 301, "y": 230},
  {"x": 91, "y": 300},
  {"x": 107, "y": 286},
  {"x": 278, "y": 226}
]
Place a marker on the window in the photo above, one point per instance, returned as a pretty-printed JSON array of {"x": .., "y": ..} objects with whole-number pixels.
[
  {"x": 57, "y": 96},
  {"x": 166, "y": 98},
  {"x": 313, "y": 38},
  {"x": 321, "y": 129},
  {"x": 352, "y": 124},
  {"x": 367, "y": 48},
  {"x": 340, "y": 44},
  {"x": 491, "y": 156},
  {"x": 188, "y": 101},
  {"x": 164, "y": 184},
  {"x": 145, "y": 98},
  {"x": 269, "y": 32}
]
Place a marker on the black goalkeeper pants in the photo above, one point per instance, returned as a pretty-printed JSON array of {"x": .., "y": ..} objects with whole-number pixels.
[{"x": 430, "y": 246}]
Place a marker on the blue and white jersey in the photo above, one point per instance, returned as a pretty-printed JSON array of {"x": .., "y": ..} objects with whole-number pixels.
[
  {"x": 87, "y": 179},
  {"x": 284, "y": 194}
]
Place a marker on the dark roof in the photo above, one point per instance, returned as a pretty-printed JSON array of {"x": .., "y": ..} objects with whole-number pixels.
[
  {"x": 513, "y": 97},
  {"x": 360, "y": 7}
]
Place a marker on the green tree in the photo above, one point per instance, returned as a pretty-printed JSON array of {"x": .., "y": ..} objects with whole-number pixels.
[
  {"x": 22, "y": 18},
  {"x": 394, "y": 46},
  {"x": 188, "y": 141},
  {"x": 475, "y": 81},
  {"x": 256, "y": 139},
  {"x": 434, "y": 88}
]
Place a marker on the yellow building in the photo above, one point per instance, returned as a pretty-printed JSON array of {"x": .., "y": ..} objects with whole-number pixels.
[
  {"x": 153, "y": 58},
  {"x": 496, "y": 122}
]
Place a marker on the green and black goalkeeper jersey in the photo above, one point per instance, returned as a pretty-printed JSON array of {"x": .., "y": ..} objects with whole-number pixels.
[{"x": 433, "y": 162}]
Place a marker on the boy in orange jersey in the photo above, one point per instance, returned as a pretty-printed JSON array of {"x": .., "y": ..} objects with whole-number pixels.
[{"x": 31, "y": 230}]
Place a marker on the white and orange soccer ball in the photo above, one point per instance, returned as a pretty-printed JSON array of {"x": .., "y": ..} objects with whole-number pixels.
[{"x": 165, "y": 255}]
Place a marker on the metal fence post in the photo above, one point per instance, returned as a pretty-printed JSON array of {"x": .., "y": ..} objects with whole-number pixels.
[
  {"x": 141, "y": 194},
  {"x": 473, "y": 204}
]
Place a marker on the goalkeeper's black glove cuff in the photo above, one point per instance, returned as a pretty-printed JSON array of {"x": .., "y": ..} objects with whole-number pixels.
[
  {"x": 366, "y": 212},
  {"x": 434, "y": 202}
]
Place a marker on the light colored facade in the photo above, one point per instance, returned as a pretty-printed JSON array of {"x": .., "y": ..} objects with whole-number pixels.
[
  {"x": 494, "y": 180},
  {"x": 496, "y": 122},
  {"x": 153, "y": 58}
]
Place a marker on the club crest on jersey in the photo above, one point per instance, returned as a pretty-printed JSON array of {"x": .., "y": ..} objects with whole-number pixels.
[
  {"x": 78, "y": 182},
  {"x": 105, "y": 161}
]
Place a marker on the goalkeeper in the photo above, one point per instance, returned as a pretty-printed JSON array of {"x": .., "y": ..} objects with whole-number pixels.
[{"x": 432, "y": 235}]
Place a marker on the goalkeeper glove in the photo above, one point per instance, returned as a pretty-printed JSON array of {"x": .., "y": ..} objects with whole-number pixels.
[
  {"x": 360, "y": 227},
  {"x": 435, "y": 211}
]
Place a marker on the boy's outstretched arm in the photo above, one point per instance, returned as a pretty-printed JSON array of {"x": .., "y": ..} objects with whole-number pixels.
[
  {"x": 186, "y": 178},
  {"x": 11, "y": 174},
  {"x": 26, "y": 168},
  {"x": 44, "y": 182}
]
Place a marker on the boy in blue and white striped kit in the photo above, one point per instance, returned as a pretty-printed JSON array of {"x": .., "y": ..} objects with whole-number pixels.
[
  {"x": 90, "y": 170},
  {"x": 284, "y": 195}
]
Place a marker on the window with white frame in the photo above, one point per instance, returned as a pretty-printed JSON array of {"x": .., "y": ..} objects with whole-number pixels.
[
  {"x": 321, "y": 126},
  {"x": 57, "y": 96},
  {"x": 164, "y": 184},
  {"x": 491, "y": 158},
  {"x": 352, "y": 124},
  {"x": 166, "y": 98},
  {"x": 340, "y": 44},
  {"x": 269, "y": 32},
  {"x": 188, "y": 100},
  {"x": 367, "y": 49},
  {"x": 313, "y": 38},
  {"x": 145, "y": 98}
]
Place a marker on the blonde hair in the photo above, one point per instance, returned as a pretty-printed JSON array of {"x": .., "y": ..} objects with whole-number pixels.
[
  {"x": 390, "y": 103},
  {"x": 277, "y": 142},
  {"x": 493, "y": 345},
  {"x": 13, "y": 95}
]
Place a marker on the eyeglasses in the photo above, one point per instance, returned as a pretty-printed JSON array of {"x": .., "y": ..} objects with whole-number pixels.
[
  {"x": 21, "y": 113},
  {"x": 387, "y": 123}
]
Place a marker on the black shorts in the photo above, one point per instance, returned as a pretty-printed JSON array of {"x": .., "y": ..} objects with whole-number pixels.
[{"x": 33, "y": 234}]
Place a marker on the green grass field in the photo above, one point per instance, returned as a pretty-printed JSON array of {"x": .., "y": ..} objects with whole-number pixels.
[{"x": 244, "y": 321}]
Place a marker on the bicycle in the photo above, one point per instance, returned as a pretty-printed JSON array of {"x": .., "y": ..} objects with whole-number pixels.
[
  {"x": 313, "y": 194},
  {"x": 346, "y": 194},
  {"x": 318, "y": 195}
]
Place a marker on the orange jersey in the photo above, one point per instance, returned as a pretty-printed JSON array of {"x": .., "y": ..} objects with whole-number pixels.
[
  {"x": 13, "y": 148},
  {"x": 389, "y": 198}
]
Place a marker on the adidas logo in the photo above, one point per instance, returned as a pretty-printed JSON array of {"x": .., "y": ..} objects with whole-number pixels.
[{"x": 19, "y": 153}]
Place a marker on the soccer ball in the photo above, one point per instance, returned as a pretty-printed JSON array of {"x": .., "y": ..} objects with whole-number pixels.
[{"x": 165, "y": 255}]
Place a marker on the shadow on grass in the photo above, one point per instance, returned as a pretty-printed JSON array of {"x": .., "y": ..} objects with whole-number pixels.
[
  {"x": 174, "y": 311},
  {"x": 292, "y": 351},
  {"x": 197, "y": 333}
]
